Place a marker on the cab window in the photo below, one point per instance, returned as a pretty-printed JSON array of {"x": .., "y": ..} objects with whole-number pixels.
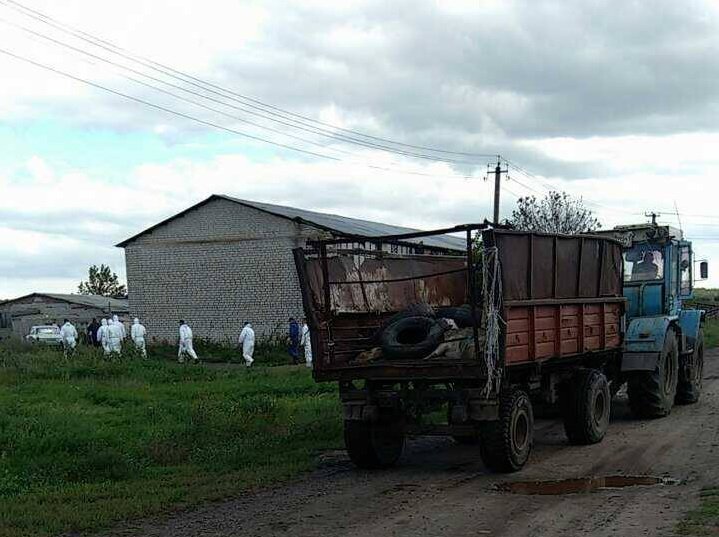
[
  {"x": 643, "y": 263},
  {"x": 685, "y": 271}
]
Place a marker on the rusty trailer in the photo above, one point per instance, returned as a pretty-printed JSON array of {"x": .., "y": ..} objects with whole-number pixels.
[{"x": 542, "y": 325}]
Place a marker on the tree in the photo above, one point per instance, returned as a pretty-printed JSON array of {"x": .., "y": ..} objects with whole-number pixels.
[
  {"x": 557, "y": 212},
  {"x": 102, "y": 281}
]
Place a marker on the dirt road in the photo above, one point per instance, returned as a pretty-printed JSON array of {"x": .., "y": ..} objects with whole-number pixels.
[{"x": 443, "y": 489}]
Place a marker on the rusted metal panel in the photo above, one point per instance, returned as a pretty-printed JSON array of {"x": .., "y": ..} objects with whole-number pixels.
[{"x": 361, "y": 284}]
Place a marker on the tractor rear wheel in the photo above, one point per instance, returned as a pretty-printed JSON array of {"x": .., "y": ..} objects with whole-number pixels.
[
  {"x": 690, "y": 377},
  {"x": 652, "y": 393}
]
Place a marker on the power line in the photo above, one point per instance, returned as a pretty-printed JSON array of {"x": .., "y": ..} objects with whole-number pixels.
[
  {"x": 200, "y": 120},
  {"x": 176, "y": 96},
  {"x": 551, "y": 187},
  {"x": 265, "y": 108},
  {"x": 229, "y": 105}
]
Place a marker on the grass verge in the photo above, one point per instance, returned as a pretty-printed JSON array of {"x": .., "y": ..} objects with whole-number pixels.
[
  {"x": 86, "y": 443},
  {"x": 704, "y": 520},
  {"x": 711, "y": 333}
]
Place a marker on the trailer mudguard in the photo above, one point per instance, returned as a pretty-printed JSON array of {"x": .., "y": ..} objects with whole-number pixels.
[
  {"x": 644, "y": 342},
  {"x": 690, "y": 322}
]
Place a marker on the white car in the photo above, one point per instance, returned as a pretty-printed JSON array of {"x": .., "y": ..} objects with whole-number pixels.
[{"x": 45, "y": 334}]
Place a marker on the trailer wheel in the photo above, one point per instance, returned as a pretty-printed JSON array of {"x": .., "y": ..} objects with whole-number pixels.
[
  {"x": 374, "y": 445},
  {"x": 505, "y": 443},
  {"x": 652, "y": 393},
  {"x": 689, "y": 387},
  {"x": 586, "y": 407},
  {"x": 465, "y": 440}
]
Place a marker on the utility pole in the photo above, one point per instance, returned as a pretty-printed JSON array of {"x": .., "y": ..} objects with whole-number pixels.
[
  {"x": 653, "y": 216},
  {"x": 498, "y": 171}
]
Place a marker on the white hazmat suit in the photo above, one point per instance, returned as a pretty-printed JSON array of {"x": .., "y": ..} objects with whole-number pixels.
[
  {"x": 186, "y": 344},
  {"x": 247, "y": 340},
  {"x": 306, "y": 342},
  {"x": 117, "y": 321},
  {"x": 68, "y": 333},
  {"x": 103, "y": 337},
  {"x": 114, "y": 335},
  {"x": 137, "y": 333}
]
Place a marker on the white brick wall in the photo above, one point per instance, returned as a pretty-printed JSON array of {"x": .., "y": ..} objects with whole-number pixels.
[{"x": 216, "y": 267}]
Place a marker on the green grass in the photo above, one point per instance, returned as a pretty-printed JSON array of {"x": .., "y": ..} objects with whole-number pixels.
[
  {"x": 704, "y": 520},
  {"x": 86, "y": 443},
  {"x": 711, "y": 333}
]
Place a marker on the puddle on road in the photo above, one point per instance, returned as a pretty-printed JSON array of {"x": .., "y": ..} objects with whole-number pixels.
[{"x": 583, "y": 485}]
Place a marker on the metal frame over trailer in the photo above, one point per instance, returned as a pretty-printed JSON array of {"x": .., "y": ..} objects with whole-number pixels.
[{"x": 545, "y": 323}]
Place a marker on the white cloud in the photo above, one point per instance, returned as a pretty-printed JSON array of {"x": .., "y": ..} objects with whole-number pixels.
[{"x": 617, "y": 106}]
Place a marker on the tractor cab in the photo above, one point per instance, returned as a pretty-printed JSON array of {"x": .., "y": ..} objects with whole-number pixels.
[
  {"x": 658, "y": 266},
  {"x": 663, "y": 356}
]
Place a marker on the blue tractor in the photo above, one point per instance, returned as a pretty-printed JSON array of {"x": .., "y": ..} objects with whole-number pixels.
[{"x": 663, "y": 357}]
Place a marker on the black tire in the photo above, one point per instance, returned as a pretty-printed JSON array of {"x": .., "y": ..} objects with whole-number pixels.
[
  {"x": 505, "y": 444},
  {"x": 586, "y": 407},
  {"x": 374, "y": 445},
  {"x": 414, "y": 310},
  {"x": 652, "y": 393},
  {"x": 689, "y": 387},
  {"x": 461, "y": 315},
  {"x": 411, "y": 337}
]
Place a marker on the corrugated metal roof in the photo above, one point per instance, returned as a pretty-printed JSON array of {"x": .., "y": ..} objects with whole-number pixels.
[
  {"x": 340, "y": 225},
  {"x": 93, "y": 301}
]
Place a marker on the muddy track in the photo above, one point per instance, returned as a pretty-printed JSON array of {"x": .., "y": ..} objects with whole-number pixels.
[{"x": 441, "y": 488}]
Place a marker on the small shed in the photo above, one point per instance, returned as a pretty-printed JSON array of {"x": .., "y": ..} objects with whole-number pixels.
[{"x": 19, "y": 315}]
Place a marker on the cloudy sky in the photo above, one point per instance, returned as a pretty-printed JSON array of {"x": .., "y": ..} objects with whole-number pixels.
[{"x": 617, "y": 102}]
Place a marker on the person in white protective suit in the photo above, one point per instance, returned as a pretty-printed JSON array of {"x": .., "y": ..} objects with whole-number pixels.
[
  {"x": 68, "y": 333},
  {"x": 306, "y": 342},
  {"x": 186, "y": 344},
  {"x": 117, "y": 321},
  {"x": 114, "y": 336},
  {"x": 103, "y": 337},
  {"x": 247, "y": 340},
  {"x": 137, "y": 333}
]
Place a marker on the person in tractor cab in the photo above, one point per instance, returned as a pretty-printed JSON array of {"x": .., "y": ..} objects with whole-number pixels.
[{"x": 646, "y": 269}]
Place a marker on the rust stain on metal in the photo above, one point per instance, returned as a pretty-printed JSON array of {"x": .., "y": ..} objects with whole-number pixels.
[{"x": 364, "y": 284}]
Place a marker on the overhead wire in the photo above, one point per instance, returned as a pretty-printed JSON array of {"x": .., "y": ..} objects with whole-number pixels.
[
  {"x": 257, "y": 107},
  {"x": 297, "y": 121},
  {"x": 203, "y": 121}
]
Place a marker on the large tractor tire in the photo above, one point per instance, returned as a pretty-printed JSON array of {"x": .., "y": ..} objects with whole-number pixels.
[
  {"x": 586, "y": 407},
  {"x": 689, "y": 387},
  {"x": 373, "y": 445},
  {"x": 652, "y": 393},
  {"x": 505, "y": 444}
]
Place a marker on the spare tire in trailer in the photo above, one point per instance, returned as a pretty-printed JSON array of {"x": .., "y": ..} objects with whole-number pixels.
[
  {"x": 411, "y": 337},
  {"x": 462, "y": 315},
  {"x": 420, "y": 309}
]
